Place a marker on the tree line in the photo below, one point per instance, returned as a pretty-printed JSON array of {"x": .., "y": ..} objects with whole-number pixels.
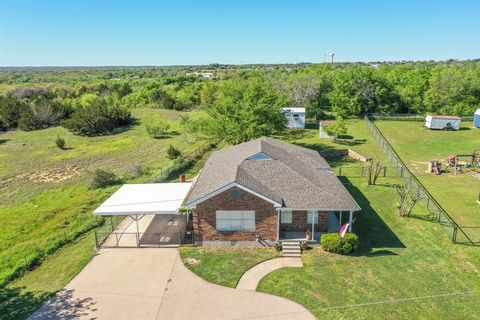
[{"x": 243, "y": 102}]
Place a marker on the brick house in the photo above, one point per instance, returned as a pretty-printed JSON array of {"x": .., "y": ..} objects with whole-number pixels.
[{"x": 266, "y": 190}]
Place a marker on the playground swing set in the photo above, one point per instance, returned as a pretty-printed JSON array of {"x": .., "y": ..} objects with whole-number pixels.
[
  {"x": 472, "y": 162},
  {"x": 460, "y": 163}
]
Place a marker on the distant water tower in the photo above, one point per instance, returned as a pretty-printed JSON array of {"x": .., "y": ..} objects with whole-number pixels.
[{"x": 331, "y": 56}]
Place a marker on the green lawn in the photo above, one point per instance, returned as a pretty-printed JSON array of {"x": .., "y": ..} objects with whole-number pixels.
[
  {"x": 398, "y": 259},
  {"x": 23, "y": 296},
  {"x": 416, "y": 146},
  {"x": 358, "y": 139},
  {"x": 44, "y": 191},
  {"x": 224, "y": 266}
]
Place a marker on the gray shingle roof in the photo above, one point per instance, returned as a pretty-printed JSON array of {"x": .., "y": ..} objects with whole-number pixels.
[{"x": 297, "y": 177}]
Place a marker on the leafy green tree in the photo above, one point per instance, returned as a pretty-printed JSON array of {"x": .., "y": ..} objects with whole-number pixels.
[
  {"x": 10, "y": 110},
  {"x": 208, "y": 94},
  {"x": 245, "y": 110},
  {"x": 173, "y": 153},
  {"x": 60, "y": 143},
  {"x": 360, "y": 90},
  {"x": 100, "y": 117},
  {"x": 337, "y": 129},
  {"x": 453, "y": 90},
  {"x": 307, "y": 90},
  {"x": 157, "y": 129},
  {"x": 103, "y": 178},
  {"x": 40, "y": 115}
]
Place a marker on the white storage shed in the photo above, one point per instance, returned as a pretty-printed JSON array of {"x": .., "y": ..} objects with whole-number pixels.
[
  {"x": 295, "y": 117},
  {"x": 476, "y": 119}
]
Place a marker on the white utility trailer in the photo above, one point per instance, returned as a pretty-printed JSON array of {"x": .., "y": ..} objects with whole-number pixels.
[{"x": 447, "y": 123}]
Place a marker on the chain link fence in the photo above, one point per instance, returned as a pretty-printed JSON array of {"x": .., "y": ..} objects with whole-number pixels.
[
  {"x": 465, "y": 235},
  {"x": 407, "y": 117}
]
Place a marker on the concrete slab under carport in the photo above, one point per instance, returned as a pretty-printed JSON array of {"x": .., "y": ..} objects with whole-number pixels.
[
  {"x": 155, "y": 230},
  {"x": 165, "y": 230},
  {"x": 124, "y": 234},
  {"x": 153, "y": 283}
]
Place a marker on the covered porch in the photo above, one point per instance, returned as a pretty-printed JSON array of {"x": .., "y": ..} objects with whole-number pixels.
[{"x": 309, "y": 225}]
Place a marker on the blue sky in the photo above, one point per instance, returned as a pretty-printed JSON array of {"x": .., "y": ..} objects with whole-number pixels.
[{"x": 140, "y": 32}]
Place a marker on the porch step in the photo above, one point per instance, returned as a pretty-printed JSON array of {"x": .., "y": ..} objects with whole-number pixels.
[{"x": 291, "y": 249}]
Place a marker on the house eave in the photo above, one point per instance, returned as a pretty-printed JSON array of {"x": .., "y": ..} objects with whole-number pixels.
[{"x": 320, "y": 209}]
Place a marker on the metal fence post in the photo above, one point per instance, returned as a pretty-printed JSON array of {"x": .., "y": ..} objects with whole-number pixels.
[{"x": 96, "y": 240}]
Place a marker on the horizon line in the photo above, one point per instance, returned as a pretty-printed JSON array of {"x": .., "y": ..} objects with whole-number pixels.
[{"x": 236, "y": 64}]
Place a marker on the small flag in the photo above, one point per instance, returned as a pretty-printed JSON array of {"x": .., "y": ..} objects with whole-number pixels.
[{"x": 343, "y": 230}]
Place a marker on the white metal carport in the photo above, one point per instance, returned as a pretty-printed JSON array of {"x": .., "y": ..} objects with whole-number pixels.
[{"x": 138, "y": 200}]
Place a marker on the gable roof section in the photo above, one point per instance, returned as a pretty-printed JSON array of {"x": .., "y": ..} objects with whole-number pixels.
[{"x": 296, "y": 177}]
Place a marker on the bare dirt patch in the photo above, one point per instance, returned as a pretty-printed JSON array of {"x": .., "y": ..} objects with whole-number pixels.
[
  {"x": 191, "y": 261},
  {"x": 52, "y": 174},
  {"x": 418, "y": 165}
]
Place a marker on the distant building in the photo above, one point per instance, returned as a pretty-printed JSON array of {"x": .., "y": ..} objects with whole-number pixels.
[
  {"x": 476, "y": 119},
  {"x": 295, "y": 117},
  {"x": 205, "y": 74}
]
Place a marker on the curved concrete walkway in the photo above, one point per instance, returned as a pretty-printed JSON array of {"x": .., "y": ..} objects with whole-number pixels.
[
  {"x": 251, "y": 278},
  {"x": 154, "y": 284}
]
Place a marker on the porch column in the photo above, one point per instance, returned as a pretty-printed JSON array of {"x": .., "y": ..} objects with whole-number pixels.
[
  {"x": 340, "y": 220},
  {"x": 278, "y": 225},
  {"x": 313, "y": 223},
  {"x": 350, "y": 222}
]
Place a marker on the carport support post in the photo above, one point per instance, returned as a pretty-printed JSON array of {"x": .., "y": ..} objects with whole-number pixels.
[
  {"x": 350, "y": 222},
  {"x": 138, "y": 232}
]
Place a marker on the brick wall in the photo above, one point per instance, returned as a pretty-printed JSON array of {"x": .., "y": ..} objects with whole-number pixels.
[
  {"x": 204, "y": 217},
  {"x": 299, "y": 222}
]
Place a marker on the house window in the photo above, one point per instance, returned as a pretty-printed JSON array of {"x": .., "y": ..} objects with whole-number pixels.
[
  {"x": 235, "y": 220},
  {"x": 312, "y": 215},
  {"x": 296, "y": 117},
  {"x": 286, "y": 217}
]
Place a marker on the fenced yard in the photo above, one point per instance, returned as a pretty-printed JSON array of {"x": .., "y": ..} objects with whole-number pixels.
[
  {"x": 462, "y": 230},
  {"x": 405, "y": 268}
]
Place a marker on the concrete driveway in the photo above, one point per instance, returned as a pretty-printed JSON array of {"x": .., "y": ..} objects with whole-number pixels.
[{"x": 153, "y": 283}]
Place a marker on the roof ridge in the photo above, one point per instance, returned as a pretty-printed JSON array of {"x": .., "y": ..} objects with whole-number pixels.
[{"x": 270, "y": 191}]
